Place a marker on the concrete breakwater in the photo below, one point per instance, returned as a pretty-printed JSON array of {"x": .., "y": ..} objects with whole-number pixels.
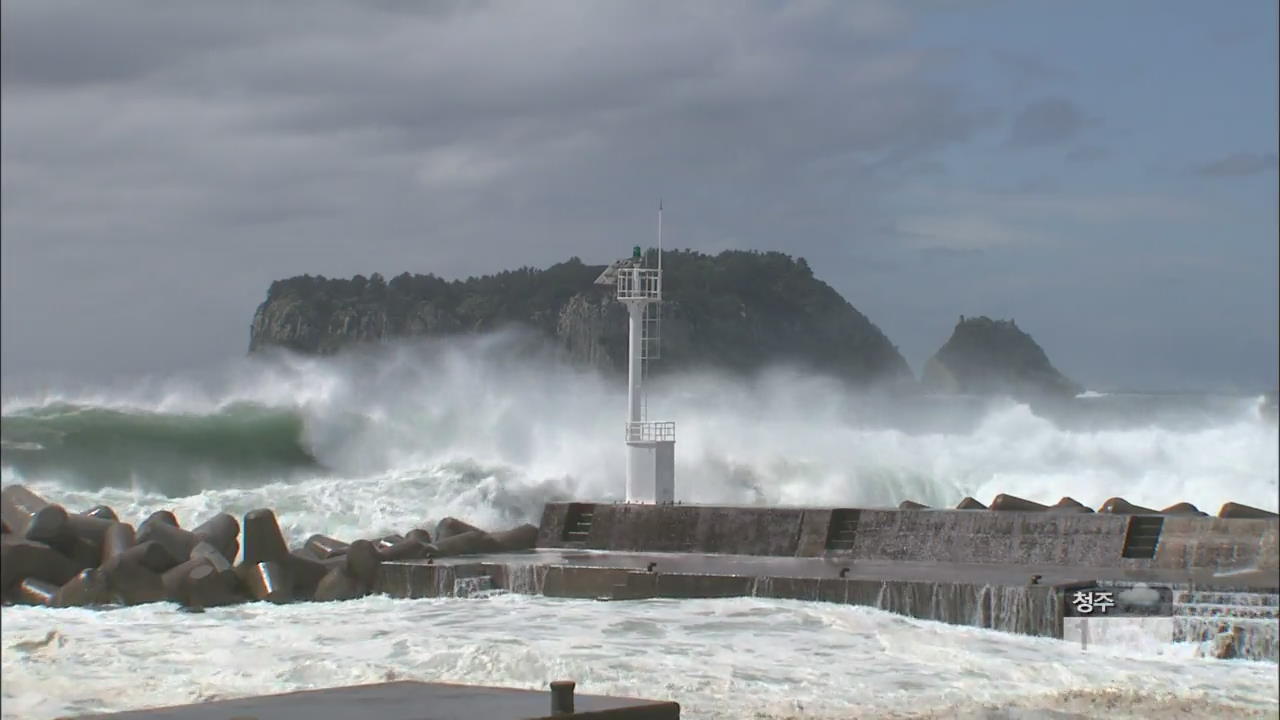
[
  {"x": 51, "y": 557},
  {"x": 1011, "y": 531},
  {"x": 982, "y": 601},
  {"x": 1008, "y": 566}
]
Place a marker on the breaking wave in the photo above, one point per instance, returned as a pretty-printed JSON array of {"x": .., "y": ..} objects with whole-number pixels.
[
  {"x": 108, "y": 446},
  {"x": 490, "y": 427}
]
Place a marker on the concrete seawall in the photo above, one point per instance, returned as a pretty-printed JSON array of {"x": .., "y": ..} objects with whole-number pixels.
[
  {"x": 957, "y": 596},
  {"x": 1002, "y": 570},
  {"x": 1085, "y": 540}
]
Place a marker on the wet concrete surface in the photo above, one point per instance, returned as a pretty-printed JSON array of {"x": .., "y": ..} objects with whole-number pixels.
[{"x": 832, "y": 567}]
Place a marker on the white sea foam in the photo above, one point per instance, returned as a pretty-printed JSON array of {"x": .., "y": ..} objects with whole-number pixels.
[
  {"x": 719, "y": 658},
  {"x": 489, "y": 428}
]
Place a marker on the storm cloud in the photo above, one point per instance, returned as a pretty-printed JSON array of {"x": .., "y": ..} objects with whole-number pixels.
[
  {"x": 164, "y": 162},
  {"x": 1237, "y": 164},
  {"x": 1047, "y": 121}
]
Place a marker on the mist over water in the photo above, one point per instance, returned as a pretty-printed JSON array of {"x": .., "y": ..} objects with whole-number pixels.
[{"x": 490, "y": 427}]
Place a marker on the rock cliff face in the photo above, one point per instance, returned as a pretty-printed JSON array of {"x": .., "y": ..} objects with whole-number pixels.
[
  {"x": 985, "y": 356},
  {"x": 737, "y": 310}
]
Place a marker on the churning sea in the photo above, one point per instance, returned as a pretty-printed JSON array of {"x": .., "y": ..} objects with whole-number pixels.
[{"x": 487, "y": 429}]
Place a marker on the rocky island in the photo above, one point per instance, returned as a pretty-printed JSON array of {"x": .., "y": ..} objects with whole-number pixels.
[
  {"x": 986, "y": 357},
  {"x": 736, "y": 311}
]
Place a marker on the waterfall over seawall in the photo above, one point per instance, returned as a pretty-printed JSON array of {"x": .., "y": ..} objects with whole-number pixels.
[{"x": 1029, "y": 610}]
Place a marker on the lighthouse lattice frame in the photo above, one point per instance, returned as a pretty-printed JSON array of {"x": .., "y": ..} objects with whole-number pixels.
[{"x": 650, "y": 445}]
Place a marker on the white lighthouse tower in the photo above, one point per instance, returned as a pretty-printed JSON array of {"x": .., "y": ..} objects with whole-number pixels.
[{"x": 650, "y": 445}]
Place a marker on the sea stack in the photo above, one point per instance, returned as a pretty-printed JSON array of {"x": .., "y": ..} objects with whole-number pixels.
[{"x": 994, "y": 357}]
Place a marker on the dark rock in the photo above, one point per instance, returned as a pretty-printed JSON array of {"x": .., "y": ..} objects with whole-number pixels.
[
  {"x": 717, "y": 308},
  {"x": 1004, "y": 503},
  {"x": 81, "y": 552},
  {"x": 211, "y": 554},
  {"x": 175, "y": 540},
  {"x": 175, "y": 578},
  {"x": 21, "y": 558},
  {"x": 101, "y": 512},
  {"x": 1070, "y": 505},
  {"x": 32, "y": 516},
  {"x": 89, "y": 587},
  {"x": 323, "y": 547},
  {"x": 986, "y": 357},
  {"x": 1236, "y": 510},
  {"x": 339, "y": 584},
  {"x": 406, "y": 549},
  {"x": 150, "y": 555},
  {"x": 133, "y": 584},
  {"x": 450, "y": 526},
  {"x": 116, "y": 540},
  {"x": 362, "y": 562},
  {"x": 205, "y": 588},
  {"x": 306, "y": 573},
  {"x": 88, "y": 527},
  {"x": 523, "y": 537},
  {"x": 1120, "y": 506},
  {"x": 161, "y": 516},
  {"x": 475, "y": 542},
  {"x": 270, "y": 581},
  {"x": 263, "y": 541},
  {"x": 34, "y": 591},
  {"x": 220, "y": 531}
]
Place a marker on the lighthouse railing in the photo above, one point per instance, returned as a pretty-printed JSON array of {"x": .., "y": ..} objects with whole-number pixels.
[
  {"x": 638, "y": 432},
  {"x": 640, "y": 284}
]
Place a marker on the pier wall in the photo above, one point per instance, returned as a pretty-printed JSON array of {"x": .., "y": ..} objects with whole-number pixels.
[
  {"x": 1025, "y": 609},
  {"x": 1218, "y": 543},
  {"x": 1085, "y": 540},
  {"x": 785, "y": 532}
]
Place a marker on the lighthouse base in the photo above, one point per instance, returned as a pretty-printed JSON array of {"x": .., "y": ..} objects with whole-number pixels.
[{"x": 651, "y": 472}]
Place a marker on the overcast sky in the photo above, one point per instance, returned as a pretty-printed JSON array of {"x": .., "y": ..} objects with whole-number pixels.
[{"x": 1104, "y": 172}]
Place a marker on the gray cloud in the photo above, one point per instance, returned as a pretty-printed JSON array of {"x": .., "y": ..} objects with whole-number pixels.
[
  {"x": 1046, "y": 122},
  {"x": 194, "y": 153},
  {"x": 1087, "y": 154},
  {"x": 164, "y": 162},
  {"x": 1238, "y": 164}
]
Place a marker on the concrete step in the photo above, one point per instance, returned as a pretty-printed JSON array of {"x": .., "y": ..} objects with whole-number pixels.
[
  {"x": 1209, "y": 611},
  {"x": 1213, "y": 597}
]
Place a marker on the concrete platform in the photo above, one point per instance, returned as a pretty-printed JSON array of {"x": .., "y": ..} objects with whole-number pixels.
[
  {"x": 408, "y": 701},
  {"x": 1025, "y": 599},
  {"x": 758, "y": 566}
]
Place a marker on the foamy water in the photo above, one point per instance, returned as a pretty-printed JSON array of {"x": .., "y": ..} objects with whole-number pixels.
[
  {"x": 735, "y": 658},
  {"x": 491, "y": 428},
  {"x": 488, "y": 429}
]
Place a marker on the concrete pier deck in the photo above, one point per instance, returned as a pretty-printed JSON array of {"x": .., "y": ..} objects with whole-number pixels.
[
  {"x": 408, "y": 701},
  {"x": 835, "y": 567},
  {"x": 1003, "y": 570}
]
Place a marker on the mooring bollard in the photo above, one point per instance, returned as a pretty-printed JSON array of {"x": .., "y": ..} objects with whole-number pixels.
[{"x": 562, "y": 697}]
